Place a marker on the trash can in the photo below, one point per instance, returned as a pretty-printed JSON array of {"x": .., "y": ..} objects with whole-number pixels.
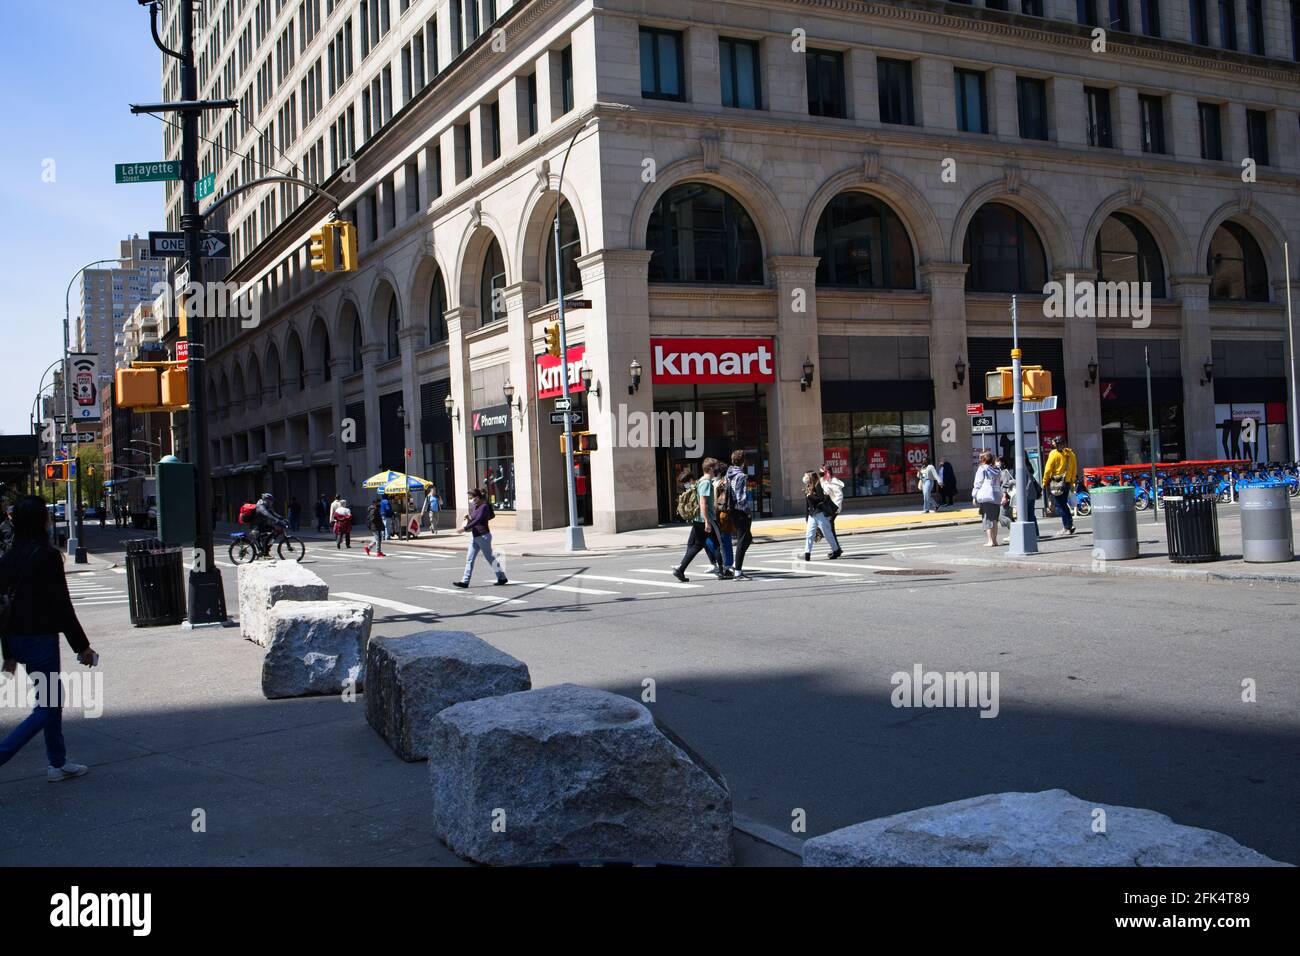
[
  {"x": 1192, "y": 525},
  {"x": 1266, "y": 533},
  {"x": 155, "y": 583},
  {"x": 1114, "y": 523}
]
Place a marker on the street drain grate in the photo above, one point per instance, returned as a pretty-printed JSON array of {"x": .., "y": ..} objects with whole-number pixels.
[{"x": 914, "y": 572}]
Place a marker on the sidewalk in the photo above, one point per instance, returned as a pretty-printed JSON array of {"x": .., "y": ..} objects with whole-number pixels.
[
  {"x": 551, "y": 542},
  {"x": 1064, "y": 554}
]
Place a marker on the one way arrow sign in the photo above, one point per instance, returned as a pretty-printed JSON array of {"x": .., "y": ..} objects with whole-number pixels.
[{"x": 212, "y": 245}]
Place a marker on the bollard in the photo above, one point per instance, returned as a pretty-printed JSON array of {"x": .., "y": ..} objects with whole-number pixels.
[
  {"x": 1266, "y": 533},
  {"x": 1114, "y": 523}
]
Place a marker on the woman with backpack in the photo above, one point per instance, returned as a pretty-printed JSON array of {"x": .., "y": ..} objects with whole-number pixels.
[
  {"x": 986, "y": 494},
  {"x": 719, "y": 546},
  {"x": 34, "y": 608},
  {"x": 818, "y": 508},
  {"x": 375, "y": 522},
  {"x": 342, "y": 524}
]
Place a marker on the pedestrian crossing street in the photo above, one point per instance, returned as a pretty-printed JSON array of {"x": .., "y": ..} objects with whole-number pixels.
[{"x": 91, "y": 589}]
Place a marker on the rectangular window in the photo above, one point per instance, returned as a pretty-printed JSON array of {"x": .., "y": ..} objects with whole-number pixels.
[
  {"x": 372, "y": 207},
  {"x": 1151, "y": 111},
  {"x": 826, "y": 83},
  {"x": 739, "y": 68},
  {"x": 532, "y": 104},
  {"x": 412, "y": 188},
  {"x": 1200, "y": 22},
  {"x": 996, "y": 4},
  {"x": 662, "y": 76},
  {"x": 1099, "y": 128},
  {"x": 1117, "y": 16},
  {"x": 466, "y": 150},
  {"x": 1257, "y": 136},
  {"x": 1228, "y": 24},
  {"x": 894, "y": 79},
  {"x": 1031, "y": 98},
  {"x": 566, "y": 79},
  {"x": 431, "y": 47},
  {"x": 1255, "y": 25},
  {"x": 1151, "y": 17},
  {"x": 1086, "y": 12},
  {"x": 1295, "y": 30},
  {"x": 1211, "y": 134},
  {"x": 435, "y": 152},
  {"x": 972, "y": 115},
  {"x": 1031, "y": 8},
  {"x": 494, "y": 130}
]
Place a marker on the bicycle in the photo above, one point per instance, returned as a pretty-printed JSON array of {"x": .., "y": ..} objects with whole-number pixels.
[{"x": 245, "y": 548}]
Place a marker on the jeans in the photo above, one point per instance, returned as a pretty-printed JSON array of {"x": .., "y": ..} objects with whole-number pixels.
[
  {"x": 817, "y": 521},
  {"x": 927, "y": 495},
  {"x": 697, "y": 542},
  {"x": 482, "y": 543},
  {"x": 1063, "y": 506},
  {"x": 39, "y": 654},
  {"x": 341, "y": 538},
  {"x": 720, "y": 540},
  {"x": 744, "y": 538}
]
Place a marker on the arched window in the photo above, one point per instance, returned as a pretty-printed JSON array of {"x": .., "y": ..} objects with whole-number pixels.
[
  {"x": 492, "y": 295},
  {"x": 1126, "y": 252},
  {"x": 698, "y": 233},
  {"x": 570, "y": 250},
  {"x": 1004, "y": 252},
  {"x": 394, "y": 326},
  {"x": 320, "y": 346},
  {"x": 274, "y": 382},
  {"x": 1236, "y": 265},
  {"x": 356, "y": 344},
  {"x": 862, "y": 243},
  {"x": 437, "y": 310},
  {"x": 297, "y": 375}
]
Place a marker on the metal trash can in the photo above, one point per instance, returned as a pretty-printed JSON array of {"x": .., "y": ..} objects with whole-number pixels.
[
  {"x": 1114, "y": 523},
  {"x": 155, "y": 583},
  {"x": 1266, "y": 533},
  {"x": 1192, "y": 525}
]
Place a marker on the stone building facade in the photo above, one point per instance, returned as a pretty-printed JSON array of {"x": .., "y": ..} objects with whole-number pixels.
[{"x": 841, "y": 196}]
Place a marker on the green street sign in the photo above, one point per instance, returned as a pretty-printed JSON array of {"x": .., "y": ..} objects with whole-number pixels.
[
  {"x": 205, "y": 187},
  {"x": 158, "y": 172}
]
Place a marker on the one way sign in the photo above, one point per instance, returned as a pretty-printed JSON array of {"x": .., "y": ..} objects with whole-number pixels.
[{"x": 212, "y": 245}]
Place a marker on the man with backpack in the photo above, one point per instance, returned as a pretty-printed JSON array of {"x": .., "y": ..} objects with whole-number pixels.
[
  {"x": 740, "y": 511},
  {"x": 702, "y": 514},
  {"x": 476, "y": 523},
  {"x": 1060, "y": 473},
  {"x": 264, "y": 520},
  {"x": 375, "y": 522}
]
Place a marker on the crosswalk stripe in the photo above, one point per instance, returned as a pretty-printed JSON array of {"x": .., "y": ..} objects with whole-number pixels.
[
  {"x": 101, "y": 603},
  {"x": 561, "y": 587},
  {"x": 818, "y": 572},
  {"x": 656, "y": 584},
  {"x": 462, "y": 592},
  {"x": 384, "y": 602}
]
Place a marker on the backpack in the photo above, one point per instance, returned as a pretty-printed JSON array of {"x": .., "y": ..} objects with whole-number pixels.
[
  {"x": 372, "y": 514},
  {"x": 688, "y": 505},
  {"x": 248, "y": 513}
]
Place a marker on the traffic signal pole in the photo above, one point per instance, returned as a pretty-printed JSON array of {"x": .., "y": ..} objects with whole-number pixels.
[
  {"x": 574, "y": 537},
  {"x": 1024, "y": 534}
]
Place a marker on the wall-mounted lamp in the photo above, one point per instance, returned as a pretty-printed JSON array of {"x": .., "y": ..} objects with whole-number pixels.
[
  {"x": 401, "y": 416},
  {"x": 1092, "y": 374},
  {"x": 1209, "y": 372},
  {"x": 516, "y": 405},
  {"x": 806, "y": 380},
  {"x": 450, "y": 406},
  {"x": 587, "y": 376},
  {"x": 960, "y": 371},
  {"x": 634, "y": 370}
]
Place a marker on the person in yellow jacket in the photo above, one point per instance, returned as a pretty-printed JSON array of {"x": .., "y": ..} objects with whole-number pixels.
[{"x": 1059, "y": 476}]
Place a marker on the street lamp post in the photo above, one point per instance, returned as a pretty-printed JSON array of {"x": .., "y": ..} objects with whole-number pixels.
[{"x": 574, "y": 537}]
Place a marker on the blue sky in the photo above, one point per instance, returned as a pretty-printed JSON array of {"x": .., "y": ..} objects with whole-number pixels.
[{"x": 68, "y": 71}]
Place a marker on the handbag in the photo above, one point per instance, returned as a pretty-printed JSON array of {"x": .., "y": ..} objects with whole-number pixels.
[{"x": 1056, "y": 486}]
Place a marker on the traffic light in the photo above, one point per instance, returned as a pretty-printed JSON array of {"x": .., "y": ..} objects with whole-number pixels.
[
  {"x": 553, "y": 339},
  {"x": 347, "y": 237},
  {"x": 56, "y": 471},
  {"x": 322, "y": 248},
  {"x": 584, "y": 443},
  {"x": 1035, "y": 383}
]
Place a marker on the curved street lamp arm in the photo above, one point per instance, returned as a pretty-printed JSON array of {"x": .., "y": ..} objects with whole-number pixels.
[{"x": 231, "y": 193}]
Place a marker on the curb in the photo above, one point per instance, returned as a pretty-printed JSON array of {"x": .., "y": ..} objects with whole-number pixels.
[{"x": 1119, "y": 568}]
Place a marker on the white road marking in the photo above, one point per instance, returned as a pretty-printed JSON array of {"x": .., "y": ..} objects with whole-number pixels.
[
  {"x": 829, "y": 574},
  {"x": 119, "y": 570},
  {"x": 665, "y": 584},
  {"x": 464, "y": 592},
  {"x": 384, "y": 602},
  {"x": 657, "y": 584},
  {"x": 561, "y": 587},
  {"x": 103, "y": 602}
]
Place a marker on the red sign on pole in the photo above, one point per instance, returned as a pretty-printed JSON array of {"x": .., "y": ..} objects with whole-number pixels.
[
  {"x": 975, "y": 408},
  {"x": 182, "y": 350},
  {"x": 408, "y": 453}
]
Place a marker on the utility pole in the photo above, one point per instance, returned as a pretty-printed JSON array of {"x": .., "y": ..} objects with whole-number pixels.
[
  {"x": 206, "y": 599},
  {"x": 1024, "y": 534},
  {"x": 1154, "y": 439}
]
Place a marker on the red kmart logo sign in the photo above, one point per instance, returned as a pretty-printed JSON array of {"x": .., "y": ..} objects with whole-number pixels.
[{"x": 712, "y": 361}]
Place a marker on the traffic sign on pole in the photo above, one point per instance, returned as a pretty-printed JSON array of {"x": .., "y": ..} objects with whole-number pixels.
[
  {"x": 975, "y": 408},
  {"x": 159, "y": 172},
  {"x": 205, "y": 187},
  {"x": 563, "y": 404},
  {"x": 212, "y": 245},
  {"x": 981, "y": 425},
  {"x": 557, "y": 418}
]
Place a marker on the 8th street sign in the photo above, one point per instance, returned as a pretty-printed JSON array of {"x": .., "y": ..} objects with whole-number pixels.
[{"x": 159, "y": 172}]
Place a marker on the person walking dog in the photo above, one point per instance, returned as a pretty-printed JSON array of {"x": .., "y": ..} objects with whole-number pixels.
[
  {"x": 34, "y": 608},
  {"x": 476, "y": 523}
]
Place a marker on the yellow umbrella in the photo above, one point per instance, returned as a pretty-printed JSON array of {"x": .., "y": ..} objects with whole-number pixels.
[
  {"x": 382, "y": 479},
  {"x": 405, "y": 484}
]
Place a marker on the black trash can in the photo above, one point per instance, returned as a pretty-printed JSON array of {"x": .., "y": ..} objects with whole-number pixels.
[
  {"x": 1192, "y": 525},
  {"x": 155, "y": 583}
]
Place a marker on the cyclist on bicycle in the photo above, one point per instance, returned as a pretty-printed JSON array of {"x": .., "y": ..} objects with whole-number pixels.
[{"x": 267, "y": 522}]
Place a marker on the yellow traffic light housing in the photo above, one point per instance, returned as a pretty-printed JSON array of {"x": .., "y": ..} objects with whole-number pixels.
[
  {"x": 584, "y": 443},
  {"x": 553, "y": 340},
  {"x": 1035, "y": 383},
  {"x": 346, "y": 232},
  {"x": 56, "y": 471},
  {"x": 322, "y": 248}
]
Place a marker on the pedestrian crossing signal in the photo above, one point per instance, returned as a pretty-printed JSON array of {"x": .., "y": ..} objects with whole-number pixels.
[
  {"x": 584, "y": 443},
  {"x": 1035, "y": 383},
  {"x": 553, "y": 339},
  {"x": 322, "y": 248},
  {"x": 346, "y": 232},
  {"x": 56, "y": 471}
]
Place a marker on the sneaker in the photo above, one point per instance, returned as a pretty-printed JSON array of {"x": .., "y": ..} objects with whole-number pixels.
[
  {"x": 836, "y": 553},
  {"x": 807, "y": 555},
  {"x": 742, "y": 576},
  {"x": 460, "y": 584},
  {"x": 726, "y": 574},
  {"x": 680, "y": 575},
  {"x": 367, "y": 551},
  {"x": 501, "y": 581},
  {"x": 1070, "y": 530},
  {"x": 381, "y": 555},
  {"x": 66, "y": 772}
]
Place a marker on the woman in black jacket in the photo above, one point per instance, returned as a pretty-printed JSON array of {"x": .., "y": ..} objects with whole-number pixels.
[
  {"x": 31, "y": 578},
  {"x": 818, "y": 509}
]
